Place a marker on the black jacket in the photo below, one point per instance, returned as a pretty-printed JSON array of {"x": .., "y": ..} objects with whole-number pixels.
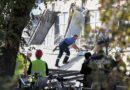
[{"x": 85, "y": 69}]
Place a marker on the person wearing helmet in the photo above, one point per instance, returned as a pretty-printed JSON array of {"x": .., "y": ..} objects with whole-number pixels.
[
  {"x": 39, "y": 68},
  {"x": 39, "y": 65}
]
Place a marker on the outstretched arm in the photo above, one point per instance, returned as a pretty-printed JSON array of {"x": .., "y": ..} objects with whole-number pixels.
[
  {"x": 75, "y": 47},
  {"x": 55, "y": 48}
]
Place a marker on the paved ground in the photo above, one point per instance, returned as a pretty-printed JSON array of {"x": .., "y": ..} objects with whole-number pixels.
[
  {"x": 75, "y": 61},
  {"x": 50, "y": 58}
]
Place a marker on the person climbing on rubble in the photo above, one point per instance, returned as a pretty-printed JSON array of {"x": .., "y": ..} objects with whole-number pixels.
[{"x": 63, "y": 47}]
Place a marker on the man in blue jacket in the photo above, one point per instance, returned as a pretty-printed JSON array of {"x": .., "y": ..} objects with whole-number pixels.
[{"x": 63, "y": 47}]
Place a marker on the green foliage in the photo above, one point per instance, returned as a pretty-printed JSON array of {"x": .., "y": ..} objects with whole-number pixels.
[
  {"x": 14, "y": 16},
  {"x": 87, "y": 30},
  {"x": 8, "y": 83},
  {"x": 45, "y": 1},
  {"x": 87, "y": 25},
  {"x": 2, "y": 38},
  {"x": 115, "y": 14},
  {"x": 2, "y": 35}
]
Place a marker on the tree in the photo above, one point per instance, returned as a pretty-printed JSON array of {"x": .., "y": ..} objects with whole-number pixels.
[
  {"x": 14, "y": 16},
  {"x": 115, "y": 15}
]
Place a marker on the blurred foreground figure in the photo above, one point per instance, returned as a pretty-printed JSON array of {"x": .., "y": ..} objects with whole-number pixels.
[{"x": 86, "y": 70}]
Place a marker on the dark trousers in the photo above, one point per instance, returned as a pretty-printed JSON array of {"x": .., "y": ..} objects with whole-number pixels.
[
  {"x": 87, "y": 81},
  {"x": 61, "y": 50}
]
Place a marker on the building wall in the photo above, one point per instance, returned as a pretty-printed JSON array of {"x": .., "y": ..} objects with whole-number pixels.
[{"x": 59, "y": 28}]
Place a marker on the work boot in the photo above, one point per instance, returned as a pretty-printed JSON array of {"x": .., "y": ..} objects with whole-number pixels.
[
  {"x": 57, "y": 66},
  {"x": 65, "y": 62}
]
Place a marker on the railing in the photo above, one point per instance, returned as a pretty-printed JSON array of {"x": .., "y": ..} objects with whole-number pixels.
[{"x": 35, "y": 30}]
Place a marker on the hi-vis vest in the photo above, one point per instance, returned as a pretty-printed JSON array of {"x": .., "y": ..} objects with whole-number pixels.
[
  {"x": 39, "y": 67},
  {"x": 20, "y": 64}
]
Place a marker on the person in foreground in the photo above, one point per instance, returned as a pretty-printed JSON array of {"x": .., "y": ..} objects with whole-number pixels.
[
  {"x": 39, "y": 68},
  {"x": 86, "y": 70}
]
